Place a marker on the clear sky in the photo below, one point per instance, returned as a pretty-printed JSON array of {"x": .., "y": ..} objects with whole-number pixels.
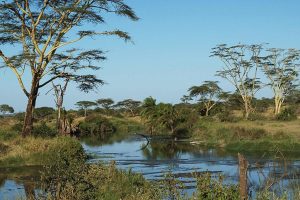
[{"x": 172, "y": 44}]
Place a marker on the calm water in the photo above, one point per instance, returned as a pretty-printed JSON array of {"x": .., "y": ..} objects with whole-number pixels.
[{"x": 155, "y": 158}]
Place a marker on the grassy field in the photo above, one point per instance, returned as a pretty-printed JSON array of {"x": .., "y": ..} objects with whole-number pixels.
[{"x": 249, "y": 136}]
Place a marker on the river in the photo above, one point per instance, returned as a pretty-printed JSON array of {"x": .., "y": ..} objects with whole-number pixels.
[{"x": 155, "y": 158}]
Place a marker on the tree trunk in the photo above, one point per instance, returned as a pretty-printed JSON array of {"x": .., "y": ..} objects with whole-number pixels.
[
  {"x": 247, "y": 105},
  {"x": 278, "y": 103},
  {"x": 28, "y": 121},
  {"x": 58, "y": 120},
  {"x": 206, "y": 112},
  {"x": 85, "y": 112}
]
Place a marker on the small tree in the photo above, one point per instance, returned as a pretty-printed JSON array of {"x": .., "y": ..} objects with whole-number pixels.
[
  {"x": 148, "y": 113},
  {"x": 240, "y": 67},
  {"x": 185, "y": 99},
  {"x": 281, "y": 68},
  {"x": 208, "y": 93},
  {"x": 85, "y": 105},
  {"x": 129, "y": 105},
  {"x": 167, "y": 116},
  {"x": 105, "y": 103},
  {"x": 5, "y": 109}
]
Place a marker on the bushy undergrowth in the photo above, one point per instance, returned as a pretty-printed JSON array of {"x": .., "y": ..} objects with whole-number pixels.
[
  {"x": 96, "y": 126},
  {"x": 287, "y": 114},
  {"x": 68, "y": 176},
  {"x": 43, "y": 130}
]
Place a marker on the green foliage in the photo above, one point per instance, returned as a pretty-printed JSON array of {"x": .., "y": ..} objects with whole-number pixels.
[
  {"x": 5, "y": 109},
  {"x": 211, "y": 189},
  {"x": 42, "y": 130},
  {"x": 68, "y": 176},
  {"x": 6, "y": 135},
  {"x": 96, "y": 126},
  {"x": 254, "y": 116},
  {"x": 63, "y": 177},
  {"x": 42, "y": 112},
  {"x": 287, "y": 114},
  {"x": 227, "y": 116},
  {"x": 17, "y": 127}
]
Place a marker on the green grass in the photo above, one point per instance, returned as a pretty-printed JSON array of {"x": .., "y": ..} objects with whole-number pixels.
[{"x": 244, "y": 136}]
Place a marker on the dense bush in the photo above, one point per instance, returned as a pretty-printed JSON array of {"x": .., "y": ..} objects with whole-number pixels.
[
  {"x": 254, "y": 116},
  {"x": 227, "y": 116},
  {"x": 42, "y": 130},
  {"x": 210, "y": 189},
  {"x": 96, "y": 126},
  {"x": 287, "y": 114}
]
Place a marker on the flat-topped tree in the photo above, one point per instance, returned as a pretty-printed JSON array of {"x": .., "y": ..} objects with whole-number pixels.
[
  {"x": 41, "y": 29},
  {"x": 106, "y": 103},
  {"x": 129, "y": 105},
  {"x": 240, "y": 68},
  {"x": 85, "y": 105},
  {"x": 5, "y": 109},
  {"x": 209, "y": 93}
]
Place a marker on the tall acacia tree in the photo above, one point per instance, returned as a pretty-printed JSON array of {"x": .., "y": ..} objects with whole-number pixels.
[
  {"x": 281, "y": 67},
  {"x": 209, "y": 94},
  {"x": 42, "y": 29},
  {"x": 240, "y": 68}
]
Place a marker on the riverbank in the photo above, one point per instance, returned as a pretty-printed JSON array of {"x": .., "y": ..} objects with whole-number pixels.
[{"x": 249, "y": 136}]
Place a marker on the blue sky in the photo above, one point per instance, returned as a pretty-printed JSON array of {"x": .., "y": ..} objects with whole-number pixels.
[{"x": 172, "y": 44}]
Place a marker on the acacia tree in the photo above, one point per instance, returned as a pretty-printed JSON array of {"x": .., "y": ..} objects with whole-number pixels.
[
  {"x": 129, "y": 105},
  {"x": 208, "y": 93},
  {"x": 70, "y": 68},
  {"x": 5, "y": 109},
  {"x": 42, "y": 29},
  {"x": 240, "y": 68},
  {"x": 281, "y": 68},
  {"x": 85, "y": 105},
  {"x": 105, "y": 103}
]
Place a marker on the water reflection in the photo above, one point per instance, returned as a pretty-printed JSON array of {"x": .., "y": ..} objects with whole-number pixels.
[{"x": 19, "y": 182}]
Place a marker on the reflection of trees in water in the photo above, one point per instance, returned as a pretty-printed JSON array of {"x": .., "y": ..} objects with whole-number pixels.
[
  {"x": 28, "y": 177},
  {"x": 166, "y": 149},
  {"x": 2, "y": 180},
  {"x": 29, "y": 190}
]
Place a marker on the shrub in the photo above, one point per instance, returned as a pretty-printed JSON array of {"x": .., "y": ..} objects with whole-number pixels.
[
  {"x": 17, "y": 127},
  {"x": 255, "y": 116},
  {"x": 64, "y": 176},
  {"x": 227, "y": 116},
  {"x": 287, "y": 114},
  {"x": 43, "y": 130},
  {"x": 7, "y": 135},
  {"x": 96, "y": 126},
  {"x": 209, "y": 188}
]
